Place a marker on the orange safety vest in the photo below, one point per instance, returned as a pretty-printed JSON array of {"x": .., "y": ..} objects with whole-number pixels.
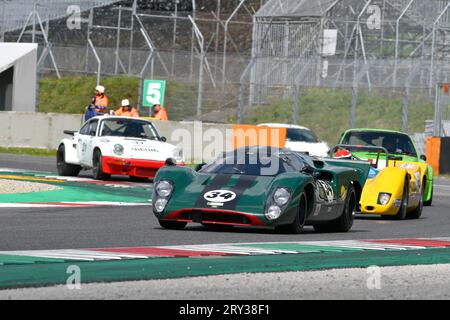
[
  {"x": 161, "y": 115},
  {"x": 132, "y": 113},
  {"x": 102, "y": 102}
]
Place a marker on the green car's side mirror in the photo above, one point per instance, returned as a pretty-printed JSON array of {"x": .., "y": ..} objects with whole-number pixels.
[
  {"x": 423, "y": 157},
  {"x": 170, "y": 162},
  {"x": 308, "y": 170}
]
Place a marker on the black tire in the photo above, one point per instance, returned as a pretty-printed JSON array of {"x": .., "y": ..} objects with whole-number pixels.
[
  {"x": 401, "y": 215},
  {"x": 97, "y": 168},
  {"x": 139, "y": 179},
  {"x": 429, "y": 202},
  {"x": 172, "y": 225},
  {"x": 417, "y": 213},
  {"x": 217, "y": 227},
  {"x": 345, "y": 222},
  {"x": 300, "y": 219},
  {"x": 65, "y": 169}
]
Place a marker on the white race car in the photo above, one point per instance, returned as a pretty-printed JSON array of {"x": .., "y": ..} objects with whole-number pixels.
[
  {"x": 301, "y": 139},
  {"x": 111, "y": 145}
]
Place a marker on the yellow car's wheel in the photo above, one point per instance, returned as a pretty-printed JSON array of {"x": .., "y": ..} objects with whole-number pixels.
[
  {"x": 401, "y": 215},
  {"x": 429, "y": 202},
  {"x": 417, "y": 213}
]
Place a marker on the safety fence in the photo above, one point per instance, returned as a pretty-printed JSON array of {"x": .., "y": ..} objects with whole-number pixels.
[{"x": 246, "y": 60}]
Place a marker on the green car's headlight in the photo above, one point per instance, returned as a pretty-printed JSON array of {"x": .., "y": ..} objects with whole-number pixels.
[
  {"x": 273, "y": 213},
  {"x": 164, "y": 189},
  {"x": 281, "y": 197},
  {"x": 384, "y": 198},
  {"x": 161, "y": 195},
  {"x": 276, "y": 203},
  {"x": 160, "y": 205}
]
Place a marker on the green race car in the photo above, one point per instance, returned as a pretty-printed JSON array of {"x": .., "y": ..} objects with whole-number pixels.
[
  {"x": 399, "y": 145},
  {"x": 261, "y": 187}
]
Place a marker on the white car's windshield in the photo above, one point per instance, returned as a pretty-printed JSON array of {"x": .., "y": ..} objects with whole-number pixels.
[
  {"x": 301, "y": 135},
  {"x": 128, "y": 128}
]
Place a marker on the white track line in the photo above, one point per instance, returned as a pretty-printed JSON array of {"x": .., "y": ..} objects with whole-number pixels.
[
  {"x": 233, "y": 249},
  {"x": 83, "y": 255}
]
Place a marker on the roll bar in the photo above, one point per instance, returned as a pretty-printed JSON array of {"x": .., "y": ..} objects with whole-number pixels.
[{"x": 378, "y": 150}]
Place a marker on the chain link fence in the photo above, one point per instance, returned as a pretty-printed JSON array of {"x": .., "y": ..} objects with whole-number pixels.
[
  {"x": 316, "y": 63},
  {"x": 329, "y": 111},
  {"x": 199, "y": 47}
]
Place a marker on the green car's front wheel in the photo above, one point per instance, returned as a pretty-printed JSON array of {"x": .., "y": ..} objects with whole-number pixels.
[
  {"x": 300, "y": 219},
  {"x": 345, "y": 222}
]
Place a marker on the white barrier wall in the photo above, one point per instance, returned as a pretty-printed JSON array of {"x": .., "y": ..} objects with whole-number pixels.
[
  {"x": 35, "y": 130},
  {"x": 45, "y": 130},
  {"x": 199, "y": 141}
]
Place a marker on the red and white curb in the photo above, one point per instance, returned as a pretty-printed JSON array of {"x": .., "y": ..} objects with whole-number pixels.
[
  {"x": 74, "y": 204},
  {"x": 185, "y": 251},
  {"x": 114, "y": 184},
  {"x": 367, "y": 245}
]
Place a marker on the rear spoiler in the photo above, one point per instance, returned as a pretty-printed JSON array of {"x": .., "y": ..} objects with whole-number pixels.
[{"x": 69, "y": 132}]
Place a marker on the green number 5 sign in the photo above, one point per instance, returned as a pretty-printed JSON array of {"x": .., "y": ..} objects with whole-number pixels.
[{"x": 154, "y": 92}]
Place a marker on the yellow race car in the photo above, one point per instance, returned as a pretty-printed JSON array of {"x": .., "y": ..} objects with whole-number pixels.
[{"x": 393, "y": 187}]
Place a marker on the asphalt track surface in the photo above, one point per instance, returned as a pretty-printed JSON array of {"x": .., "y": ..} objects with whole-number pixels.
[{"x": 69, "y": 228}]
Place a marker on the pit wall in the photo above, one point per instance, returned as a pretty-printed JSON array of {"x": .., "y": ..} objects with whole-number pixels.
[{"x": 200, "y": 141}]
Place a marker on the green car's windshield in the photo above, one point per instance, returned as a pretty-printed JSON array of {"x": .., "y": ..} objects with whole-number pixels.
[
  {"x": 395, "y": 143},
  {"x": 255, "y": 162}
]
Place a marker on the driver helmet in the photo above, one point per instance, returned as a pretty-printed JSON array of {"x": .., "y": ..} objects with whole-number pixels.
[{"x": 343, "y": 154}]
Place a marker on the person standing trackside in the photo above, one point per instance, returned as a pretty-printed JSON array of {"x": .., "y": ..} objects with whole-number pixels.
[
  {"x": 100, "y": 100},
  {"x": 160, "y": 113},
  {"x": 127, "y": 110},
  {"x": 98, "y": 104}
]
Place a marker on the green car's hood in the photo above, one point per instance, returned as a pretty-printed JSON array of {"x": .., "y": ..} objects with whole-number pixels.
[{"x": 251, "y": 192}]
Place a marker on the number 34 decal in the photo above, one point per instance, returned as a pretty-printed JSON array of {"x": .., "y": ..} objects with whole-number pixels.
[{"x": 220, "y": 196}]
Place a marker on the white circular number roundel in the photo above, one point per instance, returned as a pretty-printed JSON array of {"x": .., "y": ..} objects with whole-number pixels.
[{"x": 220, "y": 196}]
